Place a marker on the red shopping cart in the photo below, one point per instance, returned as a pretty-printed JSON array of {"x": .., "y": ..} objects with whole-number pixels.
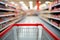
[{"x": 28, "y": 32}]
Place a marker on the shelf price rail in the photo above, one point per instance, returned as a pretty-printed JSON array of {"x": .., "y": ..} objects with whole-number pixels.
[{"x": 45, "y": 31}]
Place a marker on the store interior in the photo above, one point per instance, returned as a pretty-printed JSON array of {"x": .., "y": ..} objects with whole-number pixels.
[{"x": 29, "y": 13}]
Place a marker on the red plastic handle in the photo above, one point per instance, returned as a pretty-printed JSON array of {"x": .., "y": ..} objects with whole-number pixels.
[{"x": 44, "y": 27}]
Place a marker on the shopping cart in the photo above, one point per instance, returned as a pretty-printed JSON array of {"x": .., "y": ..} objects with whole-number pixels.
[{"x": 28, "y": 32}]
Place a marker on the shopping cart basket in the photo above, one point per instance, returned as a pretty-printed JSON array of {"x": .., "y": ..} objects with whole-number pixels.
[{"x": 28, "y": 32}]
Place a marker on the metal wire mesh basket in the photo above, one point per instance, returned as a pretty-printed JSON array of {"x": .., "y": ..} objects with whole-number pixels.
[{"x": 28, "y": 32}]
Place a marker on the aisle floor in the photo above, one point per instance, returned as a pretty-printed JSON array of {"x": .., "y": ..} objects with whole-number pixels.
[
  {"x": 23, "y": 34},
  {"x": 31, "y": 19},
  {"x": 29, "y": 33}
]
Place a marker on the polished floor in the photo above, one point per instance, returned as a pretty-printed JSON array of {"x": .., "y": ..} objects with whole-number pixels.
[{"x": 30, "y": 33}]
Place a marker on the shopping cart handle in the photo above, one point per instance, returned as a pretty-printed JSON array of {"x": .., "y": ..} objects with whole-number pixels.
[
  {"x": 18, "y": 25},
  {"x": 6, "y": 30}
]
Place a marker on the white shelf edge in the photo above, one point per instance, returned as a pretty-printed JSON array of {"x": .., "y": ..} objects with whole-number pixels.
[
  {"x": 7, "y": 20},
  {"x": 56, "y": 19},
  {"x": 50, "y": 12},
  {"x": 55, "y": 4},
  {"x": 7, "y": 9},
  {"x": 2, "y": 2},
  {"x": 51, "y": 24},
  {"x": 45, "y": 11},
  {"x": 54, "y": 11},
  {"x": 9, "y": 24},
  {"x": 7, "y": 15},
  {"x": 8, "y": 4},
  {"x": 53, "y": 18}
]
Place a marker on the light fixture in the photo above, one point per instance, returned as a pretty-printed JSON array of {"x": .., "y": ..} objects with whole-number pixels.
[
  {"x": 16, "y": 4},
  {"x": 43, "y": 6},
  {"x": 23, "y": 5},
  {"x": 31, "y": 4},
  {"x": 47, "y": 2},
  {"x": 12, "y": 2},
  {"x": 39, "y": 1},
  {"x": 6, "y": 5},
  {"x": 35, "y": 7}
]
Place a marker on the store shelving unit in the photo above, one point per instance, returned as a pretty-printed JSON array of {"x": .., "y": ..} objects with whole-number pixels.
[
  {"x": 6, "y": 7},
  {"x": 52, "y": 17},
  {"x": 8, "y": 16}
]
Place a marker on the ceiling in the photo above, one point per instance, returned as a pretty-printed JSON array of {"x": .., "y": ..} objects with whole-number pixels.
[{"x": 27, "y": 1}]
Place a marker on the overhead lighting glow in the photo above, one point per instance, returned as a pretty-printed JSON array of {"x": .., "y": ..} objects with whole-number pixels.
[
  {"x": 47, "y": 2},
  {"x": 39, "y": 2},
  {"x": 16, "y": 4},
  {"x": 35, "y": 7},
  {"x": 43, "y": 6},
  {"x": 31, "y": 4},
  {"x": 23, "y": 5},
  {"x": 12, "y": 2}
]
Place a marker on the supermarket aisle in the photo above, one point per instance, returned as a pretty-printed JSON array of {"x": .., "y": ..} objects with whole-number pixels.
[
  {"x": 29, "y": 33},
  {"x": 31, "y": 19},
  {"x": 36, "y": 19}
]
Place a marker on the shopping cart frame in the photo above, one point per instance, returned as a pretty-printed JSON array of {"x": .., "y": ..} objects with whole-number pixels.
[{"x": 53, "y": 35}]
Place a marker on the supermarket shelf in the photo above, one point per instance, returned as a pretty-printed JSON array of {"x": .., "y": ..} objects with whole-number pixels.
[
  {"x": 2, "y": 3},
  {"x": 16, "y": 20},
  {"x": 7, "y": 15},
  {"x": 4, "y": 9},
  {"x": 50, "y": 12},
  {"x": 7, "y": 20},
  {"x": 44, "y": 11},
  {"x": 51, "y": 23},
  {"x": 47, "y": 17},
  {"x": 55, "y": 12},
  {"x": 56, "y": 19},
  {"x": 8, "y": 5},
  {"x": 50, "y": 27},
  {"x": 9, "y": 24},
  {"x": 12, "y": 6},
  {"x": 52, "y": 18},
  {"x": 56, "y": 4}
]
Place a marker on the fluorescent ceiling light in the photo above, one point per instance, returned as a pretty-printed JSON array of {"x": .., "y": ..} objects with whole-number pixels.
[
  {"x": 12, "y": 2},
  {"x": 31, "y": 4},
  {"x": 23, "y": 5},
  {"x": 21, "y": 2},
  {"x": 16, "y": 4},
  {"x": 47, "y": 2},
  {"x": 43, "y": 6},
  {"x": 39, "y": 2},
  {"x": 35, "y": 7}
]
